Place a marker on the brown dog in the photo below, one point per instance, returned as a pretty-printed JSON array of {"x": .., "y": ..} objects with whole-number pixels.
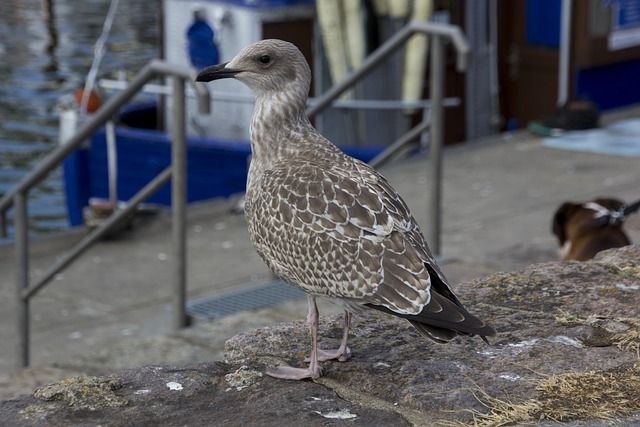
[{"x": 584, "y": 229}]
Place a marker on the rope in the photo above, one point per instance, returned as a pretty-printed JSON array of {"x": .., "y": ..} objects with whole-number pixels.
[{"x": 98, "y": 54}]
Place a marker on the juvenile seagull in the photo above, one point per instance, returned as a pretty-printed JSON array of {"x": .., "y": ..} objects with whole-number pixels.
[{"x": 330, "y": 224}]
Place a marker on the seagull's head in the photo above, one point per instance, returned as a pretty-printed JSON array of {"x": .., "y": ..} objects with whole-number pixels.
[{"x": 266, "y": 66}]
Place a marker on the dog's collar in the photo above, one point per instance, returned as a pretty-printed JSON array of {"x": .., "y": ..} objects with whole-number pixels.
[{"x": 605, "y": 217}]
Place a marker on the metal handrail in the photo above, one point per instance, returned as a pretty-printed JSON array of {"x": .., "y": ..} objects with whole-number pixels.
[
  {"x": 153, "y": 69},
  {"x": 17, "y": 197},
  {"x": 176, "y": 172},
  {"x": 389, "y": 47}
]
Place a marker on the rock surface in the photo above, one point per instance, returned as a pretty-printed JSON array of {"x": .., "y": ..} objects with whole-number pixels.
[{"x": 567, "y": 350}]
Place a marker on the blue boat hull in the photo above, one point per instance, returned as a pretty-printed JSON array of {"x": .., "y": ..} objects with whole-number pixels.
[{"x": 215, "y": 168}]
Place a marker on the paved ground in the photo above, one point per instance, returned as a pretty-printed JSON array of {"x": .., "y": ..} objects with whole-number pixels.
[{"x": 112, "y": 308}]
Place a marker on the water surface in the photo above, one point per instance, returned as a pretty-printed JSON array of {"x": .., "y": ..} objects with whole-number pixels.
[{"x": 46, "y": 50}]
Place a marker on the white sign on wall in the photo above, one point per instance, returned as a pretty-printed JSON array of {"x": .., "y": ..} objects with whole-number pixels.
[{"x": 625, "y": 25}]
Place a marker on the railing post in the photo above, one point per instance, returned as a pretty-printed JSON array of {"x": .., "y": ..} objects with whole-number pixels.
[
  {"x": 20, "y": 223},
  {"x": 178, "y": 203},
  {"x": 436, "y": 91},
  {"x": 3, "y": 224}
]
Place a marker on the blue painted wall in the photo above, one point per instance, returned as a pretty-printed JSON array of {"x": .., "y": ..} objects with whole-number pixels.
[
  {"x": 609, "y": 86},
  {"x": 543, "y": 23}
]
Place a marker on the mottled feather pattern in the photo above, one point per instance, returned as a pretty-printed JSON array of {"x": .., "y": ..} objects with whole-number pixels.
[{"x": 337, "y": 229}]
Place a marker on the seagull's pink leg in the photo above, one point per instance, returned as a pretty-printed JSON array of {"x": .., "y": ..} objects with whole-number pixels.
[
  {"x": 343, "y": 353},
  {"x": 313, "y": 371}
]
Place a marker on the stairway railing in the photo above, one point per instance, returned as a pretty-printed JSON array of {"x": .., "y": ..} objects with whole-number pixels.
[{"x": 17, "y": 197}]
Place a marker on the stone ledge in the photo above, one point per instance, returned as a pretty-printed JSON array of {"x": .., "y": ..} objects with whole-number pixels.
[{"x": 567, "y": 350}]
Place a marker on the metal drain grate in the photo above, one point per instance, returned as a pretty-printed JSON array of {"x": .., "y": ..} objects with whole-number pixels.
[{"x": 255, "y": 298}]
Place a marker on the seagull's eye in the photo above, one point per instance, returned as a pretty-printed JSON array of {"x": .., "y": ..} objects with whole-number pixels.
[{"x": 265, "y": 59}]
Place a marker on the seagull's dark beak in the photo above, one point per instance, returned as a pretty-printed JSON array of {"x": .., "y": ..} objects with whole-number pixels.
[{"x": 215, "y": 72}]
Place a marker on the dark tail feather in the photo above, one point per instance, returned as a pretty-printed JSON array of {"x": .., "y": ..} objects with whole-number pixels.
[
  {"x": 434, "y": 333},
  {"x": 442, "y": 320}
]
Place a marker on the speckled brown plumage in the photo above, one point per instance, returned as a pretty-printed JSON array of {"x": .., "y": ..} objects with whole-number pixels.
[{"x": 327, "y": 223}]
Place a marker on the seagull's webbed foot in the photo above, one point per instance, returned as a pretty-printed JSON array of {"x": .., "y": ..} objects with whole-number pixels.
[
  {"x": 340, "y": 354},
  {"x": 314, "y": 370},
  {"x": 290, "y": 373},
  {"x": 343, "y": 353}
]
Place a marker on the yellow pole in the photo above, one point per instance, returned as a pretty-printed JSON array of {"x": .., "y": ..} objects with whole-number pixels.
[{"x": 415, "y": 60}]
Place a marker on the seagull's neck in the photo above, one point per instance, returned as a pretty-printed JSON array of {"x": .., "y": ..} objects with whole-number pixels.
[
  {"x": 282, "y": 133},
  {"x": 279, "y": 127}
]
